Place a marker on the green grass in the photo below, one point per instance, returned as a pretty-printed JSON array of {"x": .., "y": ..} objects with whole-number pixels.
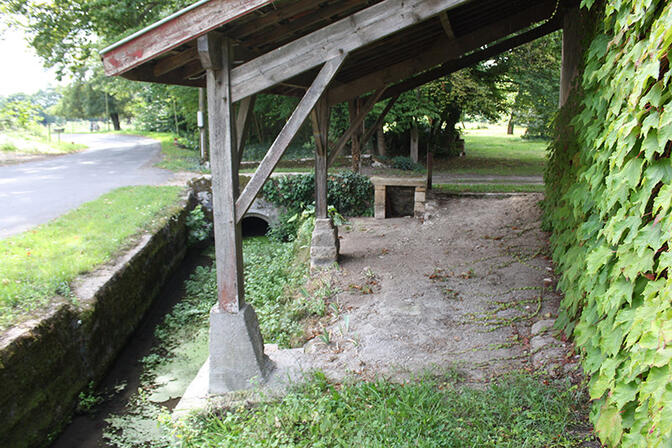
[
  {"x": 492, "y": 152},
  {"x": 520, "y": 410},
  {"x": 489, "y": 188},
  {"x": 41, "y": 263},
  {"x": 35, "y": 141}
]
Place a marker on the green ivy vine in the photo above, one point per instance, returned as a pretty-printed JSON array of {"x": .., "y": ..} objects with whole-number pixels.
[{"x": 609, "y": 205}]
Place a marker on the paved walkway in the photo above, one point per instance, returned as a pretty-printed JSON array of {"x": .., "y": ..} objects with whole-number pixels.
[
  {"x": 35, "y": 192},
  {"x": 445, "y": 178}
]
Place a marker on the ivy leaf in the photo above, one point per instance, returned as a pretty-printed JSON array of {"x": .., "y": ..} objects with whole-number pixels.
[
  {"x": 624, "y": 393},
  {"x": 608, "y": 425}
]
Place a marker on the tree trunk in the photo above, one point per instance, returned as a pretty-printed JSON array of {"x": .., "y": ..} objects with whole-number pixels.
[
  {"x": 115, "y": 121},
  {"x": 380, "y": 141},
  {"x": 509, "y": 128},
  {"x": 414, "y": 142}
]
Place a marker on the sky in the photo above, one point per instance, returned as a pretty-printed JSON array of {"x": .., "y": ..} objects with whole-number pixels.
[{"x": 24, "y": 72}]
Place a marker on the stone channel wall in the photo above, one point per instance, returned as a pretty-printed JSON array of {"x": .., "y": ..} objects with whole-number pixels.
[{"x": 45, "y": 363}]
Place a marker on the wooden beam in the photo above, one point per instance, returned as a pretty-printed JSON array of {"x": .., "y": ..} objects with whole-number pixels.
[
  {"x": 175, "y": 61},
  {"x": 223, "y": 163},
  {"x": 473, "y": 58},
  {"x": 443, "y": 50},
  {"x": 287, "y": 133},
  {"x": 354, "y": 125},
  {"x": 174, "y": 31},
  {"x": 348, "y": 34},
  {"x": 245, "y": 110}
]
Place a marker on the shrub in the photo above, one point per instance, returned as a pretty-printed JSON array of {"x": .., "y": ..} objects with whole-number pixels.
[
  {"x": 406, "y": 164},
  {"x": 351, "y": 193}
]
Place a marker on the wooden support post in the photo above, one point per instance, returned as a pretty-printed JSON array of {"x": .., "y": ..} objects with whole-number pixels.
[
  {"x": 287, "y": 133},
  {"x": 430, "y": 167},
  {"x": 245, "y": 110},
  {"x": 354, "y": 109},
  {"x": 320, "y": 121},
  {"x": 574, "y": 29},
  {"x": 215, "y": 53},
  {"x": 202, "y": 134}
]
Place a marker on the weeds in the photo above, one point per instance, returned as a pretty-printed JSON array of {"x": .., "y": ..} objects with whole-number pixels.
[{"x": 515, "y": 411}]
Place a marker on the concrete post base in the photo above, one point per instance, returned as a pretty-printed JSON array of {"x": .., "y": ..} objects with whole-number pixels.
[
  {"x": 237, "y": 359},
  {"x": 324, "y": 246}
]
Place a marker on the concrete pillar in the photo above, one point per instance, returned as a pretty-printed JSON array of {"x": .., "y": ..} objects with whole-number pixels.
[
  {"x": 324, "y": 246},
  {"x": 237, "y": 359}
]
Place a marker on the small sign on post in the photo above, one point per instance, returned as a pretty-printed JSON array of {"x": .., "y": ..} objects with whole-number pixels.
[{"x": 59, "y": 131}]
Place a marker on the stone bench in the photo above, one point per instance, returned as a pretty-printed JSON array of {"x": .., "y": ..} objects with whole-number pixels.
[{"x": 380, "y": 199}]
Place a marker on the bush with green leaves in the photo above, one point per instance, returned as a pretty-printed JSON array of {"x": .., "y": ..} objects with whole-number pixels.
[
  {"x": 199, "y": 229},
  {"x": 349, "y": 193},
  {"x": 406, "y": 164},
  {"x": 609, "y": 205}
]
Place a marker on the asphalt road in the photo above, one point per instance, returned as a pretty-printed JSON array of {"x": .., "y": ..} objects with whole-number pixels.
[{"x": 35, "y": 192}]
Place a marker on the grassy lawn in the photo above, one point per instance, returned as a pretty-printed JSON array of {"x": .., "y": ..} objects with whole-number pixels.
[
  {"x": 34, "y": 141},
  {"x": 521, "y": 410},
  {"x": 488, "y": 188},
  {"x": 492, "y": 152},
  {"x": 41, "y": 263},
  {"x": 175, "y": 158}
]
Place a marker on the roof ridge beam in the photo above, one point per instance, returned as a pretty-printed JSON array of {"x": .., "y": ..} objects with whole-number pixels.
[{"x": 348, "y": 34}]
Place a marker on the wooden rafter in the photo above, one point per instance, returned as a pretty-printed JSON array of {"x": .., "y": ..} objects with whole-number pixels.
[
  {"x": 286, "y": 135},
  {"x": 466, "y": 61},
  {"x": 442, "y": 51},
  {"x": 346, "y": 35}
]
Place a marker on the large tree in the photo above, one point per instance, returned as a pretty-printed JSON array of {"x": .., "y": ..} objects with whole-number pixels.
[
  {"x": 437, "y": 107},
  {"x": 534, "y": 77}
]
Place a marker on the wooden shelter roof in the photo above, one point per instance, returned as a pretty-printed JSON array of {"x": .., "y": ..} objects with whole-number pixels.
[{"x": 387, "y": 41}]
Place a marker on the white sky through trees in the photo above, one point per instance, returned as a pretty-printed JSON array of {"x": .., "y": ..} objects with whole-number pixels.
[{"x": 22, "y": 71}]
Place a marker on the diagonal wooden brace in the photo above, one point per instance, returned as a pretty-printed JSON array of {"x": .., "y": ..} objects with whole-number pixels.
[
  {"x": 354, "y": 125},
  {"x": 277, "y": 149}
]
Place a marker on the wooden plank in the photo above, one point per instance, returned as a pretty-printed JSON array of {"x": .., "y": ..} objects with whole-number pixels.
[
  {"x": 287, "y": 133},
  {"x": 173, "y": 62},
  {"x": 443, "y": 50},
  {"x": 245, "y": 110},
  {"x": 174, "y": 31},
  {"x": 223, "y": 163},
  {"x": 473, "y": 58},
  {"x": 348, "y": 34},
  {"x": 354, "y": 125}
]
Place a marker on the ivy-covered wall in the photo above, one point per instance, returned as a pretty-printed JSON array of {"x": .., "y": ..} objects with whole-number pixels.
[{"x": 609, "y": 205}]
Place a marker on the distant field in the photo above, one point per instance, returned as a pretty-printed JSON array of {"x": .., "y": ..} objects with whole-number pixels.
[
  {"x": 34, "y": 141},
  {"x": 492, "y": 152}
]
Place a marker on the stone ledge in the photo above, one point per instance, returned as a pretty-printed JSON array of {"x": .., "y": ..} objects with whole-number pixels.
[{"x": 46, "y": 362}]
